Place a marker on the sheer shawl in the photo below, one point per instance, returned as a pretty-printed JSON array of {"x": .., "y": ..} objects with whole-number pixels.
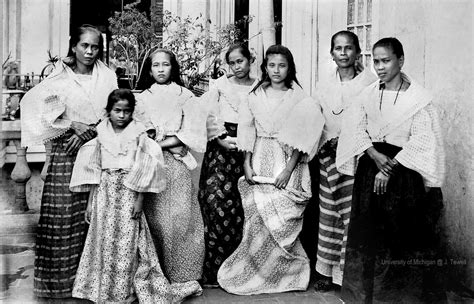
[
  {"x": 423, "y": 152},
  {"x": 48, "y": 108},
  {"x": 297, "y": 122}
]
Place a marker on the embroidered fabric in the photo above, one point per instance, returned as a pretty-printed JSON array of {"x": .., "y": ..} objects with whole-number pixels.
[
  {"x": 48, "y": 108},
  {"x": 423, "y": 152}
]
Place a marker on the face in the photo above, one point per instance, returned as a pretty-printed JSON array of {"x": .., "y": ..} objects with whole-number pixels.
[
  {"x": 239, "y": 64},
  {"x": 161, "y": 67},
  {"x": 344, "y": 52},
  {"x": 386, "y": 64},
  {"x": 277, "y": 68},
  {"x": 87, "y": 49},
  {"x": 121, "y": 114}
]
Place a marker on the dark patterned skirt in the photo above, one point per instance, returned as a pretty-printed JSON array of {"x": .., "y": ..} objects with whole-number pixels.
[
  {"x": 61, "y": 229},
  {"x": 392, "y": 246},
  {"x": 221, "y": 205}
]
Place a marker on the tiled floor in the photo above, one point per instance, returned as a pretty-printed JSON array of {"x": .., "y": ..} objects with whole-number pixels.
[{"x": 16, "y": 284}]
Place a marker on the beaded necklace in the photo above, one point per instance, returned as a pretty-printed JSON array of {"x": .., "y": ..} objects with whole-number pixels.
[{"x": 382, "y": 86}]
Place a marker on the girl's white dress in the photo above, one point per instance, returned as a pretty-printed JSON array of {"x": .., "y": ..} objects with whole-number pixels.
[
  {"x": 119, "y": 262},
  {"x": 270, "y": 257}
]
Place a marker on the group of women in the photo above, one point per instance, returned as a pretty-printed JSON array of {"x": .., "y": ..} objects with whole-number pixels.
[{"x": 123, "y": 165}]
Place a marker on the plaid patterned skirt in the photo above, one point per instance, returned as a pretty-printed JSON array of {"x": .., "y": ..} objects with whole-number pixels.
[{"x": 61, "y": 229}]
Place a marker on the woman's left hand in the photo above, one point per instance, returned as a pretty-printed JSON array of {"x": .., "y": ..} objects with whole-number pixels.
[
  {"x": 380, "y": 184},
  {"x": 282, "y": 179}
]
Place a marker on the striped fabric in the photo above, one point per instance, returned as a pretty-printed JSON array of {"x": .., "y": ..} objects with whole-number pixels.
[
  {"x": 335, "y": 194},
  {"x": 61, "y": 228}
]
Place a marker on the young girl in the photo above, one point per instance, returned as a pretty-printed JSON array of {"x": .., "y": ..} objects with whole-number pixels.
[
  {"x": 394, "y": 141},
  {"x": 335, "y": 95},
  {"x": 222, "y": 166},
  {"x": 173, "y": 215},
  {"x": 119, "y": 262},
  {"x": 279, "y": 130}
]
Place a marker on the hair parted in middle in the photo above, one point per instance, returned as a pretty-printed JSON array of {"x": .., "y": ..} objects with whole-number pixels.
[
  {"x": 278, "y": 49},
  {"x": 120, "y": 94},
  {"x": 147, "y": 80}
]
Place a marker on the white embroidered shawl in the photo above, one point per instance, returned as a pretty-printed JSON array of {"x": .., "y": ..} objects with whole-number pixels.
[
  {"x": 423, "y": 152},
  {"x": 146, "y": 173},
  {"x": 335, "y": 98},
  {"x": 296, "y": 122},
  {"x": 48, "y": 108},
  {"x": 173, "y": 110},
  {"x": 223, "y": 101}
]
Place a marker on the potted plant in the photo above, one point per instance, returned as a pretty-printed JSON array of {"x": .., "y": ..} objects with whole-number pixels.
[{"x": 197, "y": 46}]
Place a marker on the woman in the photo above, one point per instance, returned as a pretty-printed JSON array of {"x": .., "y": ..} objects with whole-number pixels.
[
  {"x": 222, "y": 166},
  {"x": 279, "y": 129},
  {"x": 393, "y": 141},
  {"x": 63, "y": 110},
  {"x": 335, "y": 191},
  {"x": 173, "y": 215}
]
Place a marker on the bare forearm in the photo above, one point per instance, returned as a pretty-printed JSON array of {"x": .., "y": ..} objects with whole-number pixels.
[
  {"x": 170, "y": 142},
  {"x": 295, "y": 156}
]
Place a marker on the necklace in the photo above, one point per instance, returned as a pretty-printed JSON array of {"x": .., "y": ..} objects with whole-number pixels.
[
  {"x": 342, "y": 99},
  {"x": 382, "y": 86}
]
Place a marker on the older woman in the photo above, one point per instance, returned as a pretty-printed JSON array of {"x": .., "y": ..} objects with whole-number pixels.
[
  {"x": 393, "y": 143},
  {"x": 64, "y": 110}
]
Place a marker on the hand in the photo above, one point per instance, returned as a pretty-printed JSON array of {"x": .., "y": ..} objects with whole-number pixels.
[
  {"x": 138, "y": 207},
  {"x": 151, "y": 133},
  {"x": 84, "y": 131},
  {"x": 88, "y": 213},
  {"x": 73, "y": 144},
  {"x": 383, "y": 162},
  {"x": 228, "y": 144},
  {"x": 282, "y": 179},
  {"x": 181, "y": 150},
  {"x": 249, "y": 173},
  {"x": 380, "y": 184}
]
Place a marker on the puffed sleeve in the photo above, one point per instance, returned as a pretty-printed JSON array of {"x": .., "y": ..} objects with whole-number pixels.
[
  {"x": 148, "y": 171},
  {"x": 353, "y": 139},
  {"x": 246, "y": 132},
  {"x": 214, "y": 125},
  {"x": 424, "y": 151},
  {"x": 87, "y": 167},
  {"x": 304, "y": 128},
  {"x": 193, "y": 131}
]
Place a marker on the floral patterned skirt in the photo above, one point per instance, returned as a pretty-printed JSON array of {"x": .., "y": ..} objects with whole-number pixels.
[
  {"x": 176, "y": 226},
  {"x": 119, "y": 262},
  {"x": 221, "y": 206}
]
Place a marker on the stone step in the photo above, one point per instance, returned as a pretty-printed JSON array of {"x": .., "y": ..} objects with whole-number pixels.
[{"x": 18, "y": 228}]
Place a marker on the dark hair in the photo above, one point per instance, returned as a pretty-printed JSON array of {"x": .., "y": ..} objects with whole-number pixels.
[
  {"x": 146, "y": 80},
  {"x": 243, "y": 49},
  {"x": 353, "y": 37},
  {"x": 76, "y": 37},
  {"x": 391, "y": 43},
  {"x": 120, "y": 94},
  {"x": 278, "y": 49}
]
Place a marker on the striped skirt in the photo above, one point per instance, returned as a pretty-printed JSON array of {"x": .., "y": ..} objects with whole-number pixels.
[
  {"x": 335, "y": 195},
  {"x": 61, "y": 229}
]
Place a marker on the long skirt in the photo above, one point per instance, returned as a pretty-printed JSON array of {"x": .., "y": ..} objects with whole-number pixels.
[
  {"x": 176, "y": 226},
  {"x": 61, "y": 229},
  {"x": 335, "y": 194},
  {"x": 221, "y": 205},
  {"x": 119, "y": 263},
  {"x": 270, "y": 257},
  {"x": 391, "y": 253}
]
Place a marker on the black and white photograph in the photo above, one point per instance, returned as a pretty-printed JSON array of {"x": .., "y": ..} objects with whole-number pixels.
[{"x": 236, "y": 151}]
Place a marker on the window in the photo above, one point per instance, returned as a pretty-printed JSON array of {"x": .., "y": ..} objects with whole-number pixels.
[{"x": 359, "y": 21}]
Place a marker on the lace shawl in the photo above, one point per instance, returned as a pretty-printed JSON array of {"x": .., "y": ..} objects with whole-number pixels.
[
  {"x": 48, "y": 108},
  {"x": 296, "y": 122},
  {"x": 223, "y": 101},
  {"x": 423, "y": 152},
  {"x": 174, "y": 110},
  {"x": 147, "y": 172}
]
